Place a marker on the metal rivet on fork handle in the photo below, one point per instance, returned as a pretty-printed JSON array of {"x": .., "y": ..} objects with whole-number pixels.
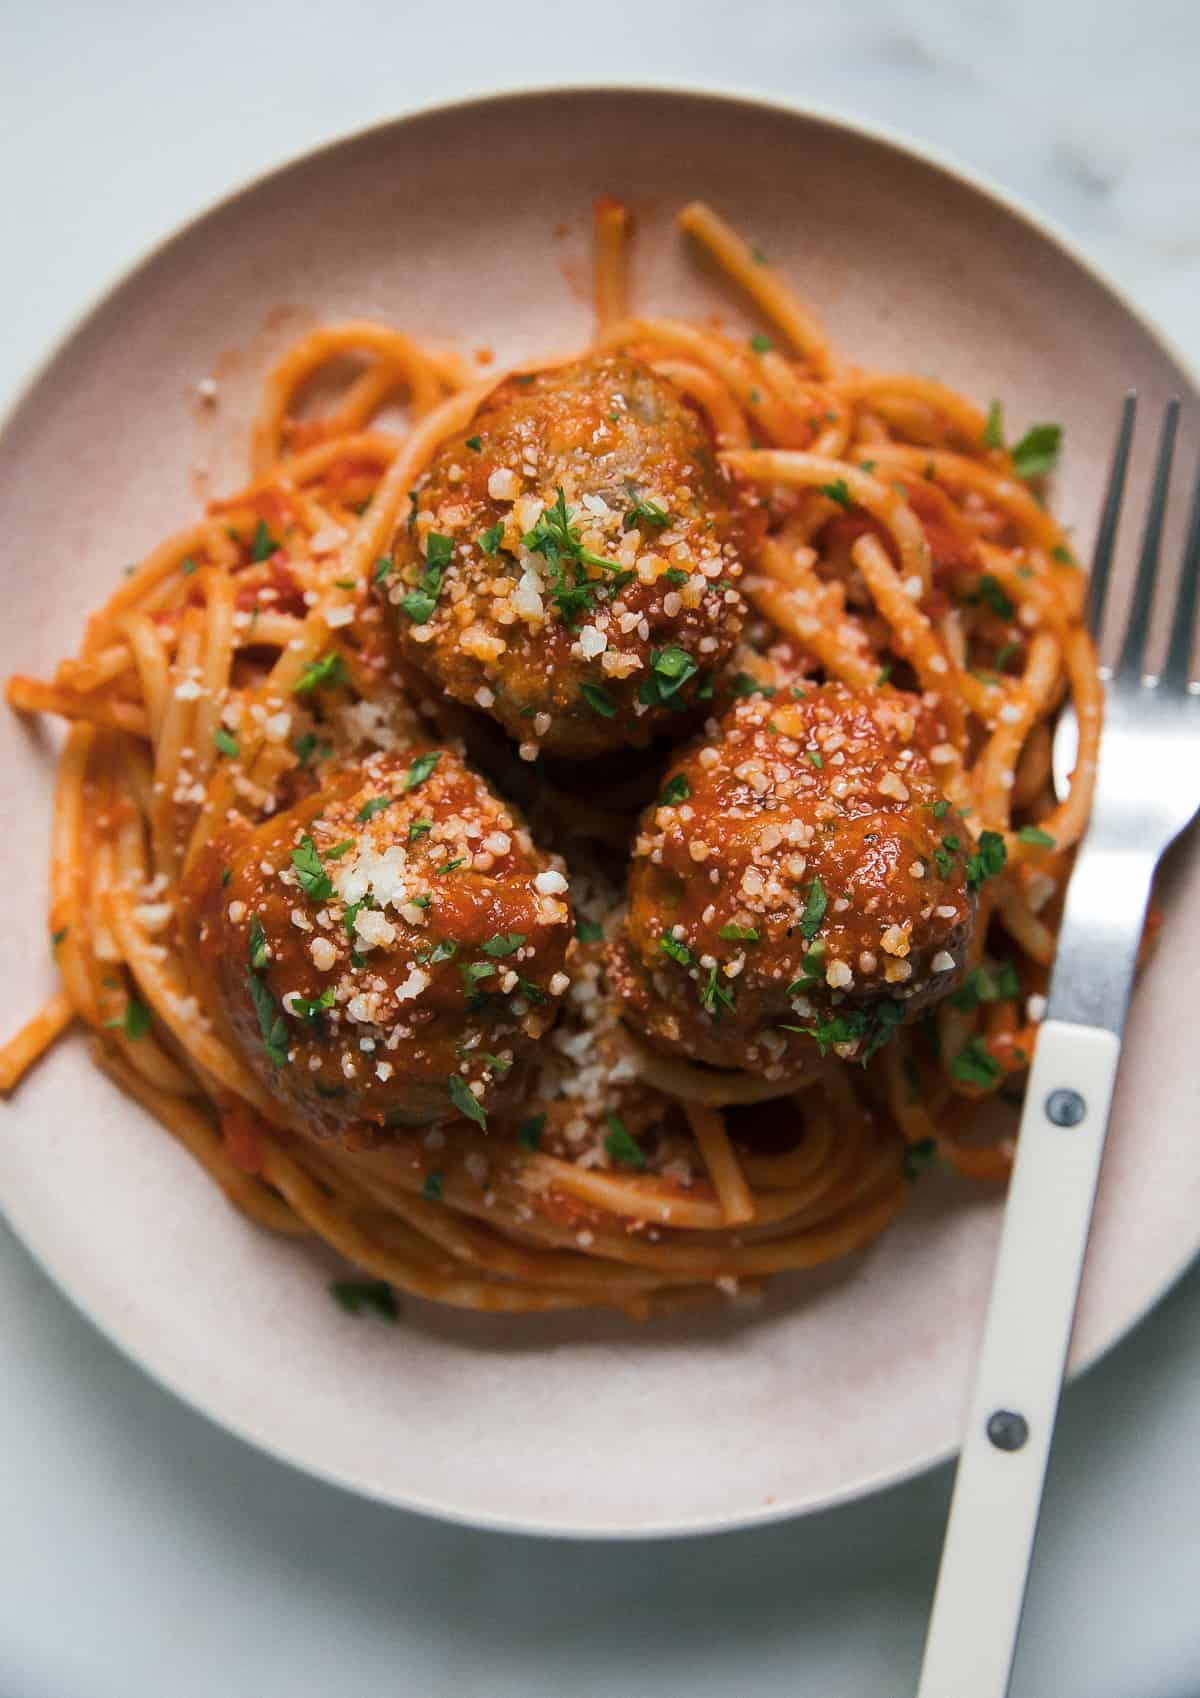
[
  {"x": 1007, "y": 1430},
  {"x": 1065, "y": 1108}
]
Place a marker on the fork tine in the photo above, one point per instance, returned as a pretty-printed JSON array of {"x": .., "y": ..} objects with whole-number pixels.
[
  {"x": 1106, "y": 538},
  {"x": 1137, "y": 628},
  {"x": 1183, "y": 627}
]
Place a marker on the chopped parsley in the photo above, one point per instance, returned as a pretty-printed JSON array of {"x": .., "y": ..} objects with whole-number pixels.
[
  {"x": 992, "y": 595},
  {"x": 919, "y": 1156},
  {"x": 815, "y": 904},
  {"x": 502, "y": 944},
  {"x": 670, "y": 670},
  {"x": 587, "y": 931},
  {"x": 885, "y": 672},
  {"x": 464, "y": 1100},
  {"x": 489, "y": 540},
  {"x": 189, "y": 565},
  {"x": 847, "y": 1028},
  {"x": 599, "y": 700},
  {"x": 1003, "y": 655},
  {"x": 339, "y": 849},
  {"x": 257, "y": 944},
  {"x": 449, "y": 866},
  {"x": 418, "y": 829},
  {"x": 264, "y": 543},
  {"x": 1062, "y": 554},
  {"x": 975, "y": 1065},
  {"x": 987, "y": 861},
  {"x": 529, "y": 1133},
  {"x": 939, "y": 810},
  {"x": 420, "y": 770},
  {"x": 987, "y": 984},
  {"x": 271, "y": 1022},
  {"x": 745, "y": 684},
  {"x": 993, "y": 429},
  {"x": 57, "y": 937},
  {"x": 475, "y": 971},
  {"x": 431, "y": 1186},
  {"x": 370, "y": 809},
  {"x": 307, "y": 746},
  {"x": 1037, "y": 452},
  {"x": 327, "y": 673},
  {"x": 474, "y": 443},
  {"x": 676, "y": 950},
  {"x": 560, "y": 544},
  {"x": 621, "y": 1145},
  {"x": 837, "y": 491},
  {"x": 382, "y": 567},
  {"x": 311, "y": 1007},
  {"x": 675, "y": 790},
  {"x": 812, "y": 969},
  {"x": 310, "y": 874},
  {"x": 134, "y": 1023},
  {"x": 715, "y": 997},
  {"x": 760, "y": 343},
  {"x": 365, "y": 1296},
  {"x": 739, "y": 934},
  {"x": 675, "y": 576},
  {"x": 444, "y": 951},
  {"x": 815, "y": 758},
  {"x": 1035, "y": 835},
  {"x": 644, "y": 512}
]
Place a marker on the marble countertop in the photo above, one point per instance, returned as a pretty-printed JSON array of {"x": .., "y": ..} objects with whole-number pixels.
[{"x": 144, "y": 1551}]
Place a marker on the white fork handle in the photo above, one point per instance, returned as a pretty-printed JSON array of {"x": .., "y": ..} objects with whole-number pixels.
[{"x": 998, "y": 1491}]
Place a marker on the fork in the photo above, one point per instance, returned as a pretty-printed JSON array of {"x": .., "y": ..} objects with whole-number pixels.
[{"x": 1147, "y": 794}]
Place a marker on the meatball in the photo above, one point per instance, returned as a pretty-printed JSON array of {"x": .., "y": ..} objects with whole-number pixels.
[
  {"x": 802, "y": 885},
  {"x": 569, "y": 562},
  {"x": 389, "y": 949}
]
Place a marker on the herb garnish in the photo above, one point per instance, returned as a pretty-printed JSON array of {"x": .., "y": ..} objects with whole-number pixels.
[
  {"x": 621, "y": 1145},
  {"x": 675, "y": 790},
  {"x": 420, "y": 770},
  {"x": 271, "y": 1022},
  {"x": 327, "y": 673},
  {"x": 311, "y": 876},
  {"x": 363, "y": 1296},
  {"x": 465, "y": 1101}
]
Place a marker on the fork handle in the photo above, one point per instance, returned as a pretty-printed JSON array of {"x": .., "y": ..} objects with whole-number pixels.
[{"x": 998, "y": 1490}]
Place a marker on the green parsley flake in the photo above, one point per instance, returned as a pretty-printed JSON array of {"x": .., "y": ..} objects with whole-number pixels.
[
  {"x": 311, "y": 1007},
  {"x": 675, "y": 790},
  {"x": 676, "y": 950},
  {"x": 918, "y": 1157},
  {"x": 992, "y": 594},
  {"x": 993, "y": 430},
  {"x": 502, "y": 945},
  {"x": 474, "y": 443},
  {"x": 327, "y": 673},
  {"x": 421, "y": 768},
  {"x": 225, "y": 744},
  {"x": 1063, "y": 555},
  {"x": 745, "y": 684},
  {"x": 975, "y": 1065},
  {"x": 739, "y": 934},
  {"x": 264, "y": 543},
  {"x": 311, "y": 876},
  {"x": 432, "y": 1186},
  {"x": 621, "y": 1145},
  {"x": 339, "y": 849},
  {"x": 761, "y": 344},
  {"x": 475, "y": 971},
  {"x": 837, "y": 491},
  {"x": 812, "y": 970},
  {"x": 489, "y": 540},
  {"x": 464, "y": 1100},
  {"x": 644, "y": 512},
  {"x": 370, "y": 809},
  {"x": 599, "y": 700},
  {"x": 716, "y": 998},
  {"x": 189, "y": 565},
  {"x": 997, "y": 983},
  {"x": 529, "y": 1133},
  {"x": 670, "y": 670},
  {"x": 815, "y": 905},
  {"x": 57, "y": 937},
  {"x": 987, "y": 861},
  {"x": 444, "y": 951},
  {"x": 382, "y": 567},
  {"x": 418, "y": 829},
  {"x": 257, "y": 944},
  {"x": 587, "y": 931},
  {"x": 271, "y": 1023},
  {"x": 365, "y": 1296},
  {"x": 1036, "y": 454},
  {"x": 1035, "y": 835}
]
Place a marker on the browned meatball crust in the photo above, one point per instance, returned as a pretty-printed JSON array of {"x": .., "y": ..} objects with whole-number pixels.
[
  {"x": 570, "y": 561},
  {"x": 801, "y": 887},
  {"x": 389, "y": 949}
]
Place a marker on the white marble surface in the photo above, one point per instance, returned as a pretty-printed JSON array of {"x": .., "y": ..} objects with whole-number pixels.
[{"x": 143, "y": 1552}]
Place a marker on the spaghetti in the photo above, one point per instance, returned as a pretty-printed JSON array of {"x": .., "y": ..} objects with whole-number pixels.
[{"x": 901, "y": 535}]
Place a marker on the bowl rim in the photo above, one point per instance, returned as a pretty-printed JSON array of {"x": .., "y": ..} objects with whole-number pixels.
[{"x": 701, "y": 90}]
